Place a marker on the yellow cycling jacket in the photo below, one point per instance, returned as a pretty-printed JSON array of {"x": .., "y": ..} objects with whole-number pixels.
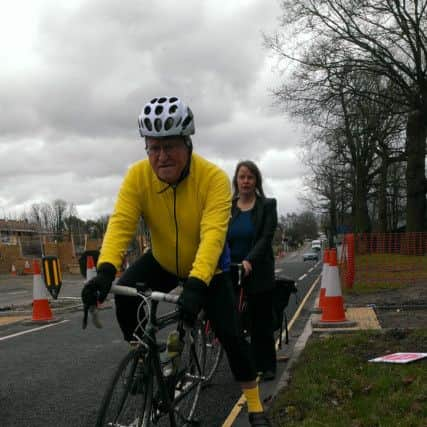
[{"x": 188, "y": 223}]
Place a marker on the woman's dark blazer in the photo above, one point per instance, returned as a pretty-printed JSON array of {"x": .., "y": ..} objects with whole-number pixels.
[{"x": 264, "y": 218}]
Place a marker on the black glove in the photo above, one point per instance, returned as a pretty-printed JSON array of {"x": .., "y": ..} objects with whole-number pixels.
[
  {"x": 192, "y": 299},
  {"x": 97, "y": 288}
]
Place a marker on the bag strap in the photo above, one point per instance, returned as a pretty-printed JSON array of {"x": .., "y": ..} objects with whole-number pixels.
[
  {"x": 286, "y": 328},
  {"x": 285, "y": 318}
]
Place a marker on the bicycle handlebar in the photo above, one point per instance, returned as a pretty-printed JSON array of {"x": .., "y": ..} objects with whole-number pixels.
[
  {"x": 155, "y": 295},
  {"x": 240, "y": 271},
  {"x": 132, "y": 292}
]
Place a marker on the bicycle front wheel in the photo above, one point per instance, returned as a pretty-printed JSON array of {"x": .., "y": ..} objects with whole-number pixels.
[
  {"x": 190, "y": 377},
  {"x": 214, "y": 352},
  {"x": 128, "y": 398}
]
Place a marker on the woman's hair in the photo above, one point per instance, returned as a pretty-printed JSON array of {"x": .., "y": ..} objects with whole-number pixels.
[{"x": 254, "y": 169}]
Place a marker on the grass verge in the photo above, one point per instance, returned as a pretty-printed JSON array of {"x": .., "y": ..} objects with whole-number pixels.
[
  {"x": 333, "y": 384},
  {"x": 387, "y": 271}
]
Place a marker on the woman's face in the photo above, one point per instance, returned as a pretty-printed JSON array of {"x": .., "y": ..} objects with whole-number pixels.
[{"x": 246, "y": 181}]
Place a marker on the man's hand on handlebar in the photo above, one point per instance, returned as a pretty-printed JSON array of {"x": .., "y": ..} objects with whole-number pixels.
[
  {"x": 192, "y": 300},
  {"x": 97, "y": 288}
]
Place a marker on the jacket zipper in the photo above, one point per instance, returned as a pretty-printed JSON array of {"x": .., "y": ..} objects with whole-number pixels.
[{"x": 174, "y": 187}]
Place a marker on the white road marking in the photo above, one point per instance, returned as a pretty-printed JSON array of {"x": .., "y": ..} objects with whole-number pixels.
[
  {"x": 32, "y": 330},
  {"x": 302, "y": 277},
  {"x": 17, "y": 292}
]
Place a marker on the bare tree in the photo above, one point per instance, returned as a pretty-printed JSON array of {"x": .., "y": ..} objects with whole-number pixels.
[
  {"x": 34, "y": 215},
  {"x": 385, "y": 38},
  {"x": 59, "y": 208},
  {"x": 357, "y": 132}
]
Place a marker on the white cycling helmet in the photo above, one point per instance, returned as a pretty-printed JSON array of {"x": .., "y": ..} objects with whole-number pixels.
[{"x": 166, "y": 116}]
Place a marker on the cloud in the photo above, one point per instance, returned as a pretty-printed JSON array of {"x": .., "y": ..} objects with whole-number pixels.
[{"x": 78, "y": 73}]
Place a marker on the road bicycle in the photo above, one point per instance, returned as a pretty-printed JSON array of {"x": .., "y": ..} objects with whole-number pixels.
[
  {"x": 148, "y": 388},
  {"x": 214, "y": 349}
]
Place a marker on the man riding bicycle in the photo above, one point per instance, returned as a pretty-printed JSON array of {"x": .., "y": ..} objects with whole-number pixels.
[{"x": 185, "y": 200}]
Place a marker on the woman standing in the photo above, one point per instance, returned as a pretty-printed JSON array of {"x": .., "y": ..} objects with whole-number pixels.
[{"x": 250, "y": 235}]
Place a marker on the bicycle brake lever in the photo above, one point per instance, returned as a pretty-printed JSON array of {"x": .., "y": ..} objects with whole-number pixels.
[
  {"x": 95, "y": 317},
  {"x": 85, "y": 313}
]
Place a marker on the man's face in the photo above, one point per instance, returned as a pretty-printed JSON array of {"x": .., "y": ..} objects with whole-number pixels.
[{"x": 168, "y": 157}]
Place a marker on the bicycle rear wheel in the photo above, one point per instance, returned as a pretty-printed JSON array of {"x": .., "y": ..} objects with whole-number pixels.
[
  {"x": 190, "y": 377},
  {"x": 127, "y": 401},
  {"x": 214, "y": 352}
]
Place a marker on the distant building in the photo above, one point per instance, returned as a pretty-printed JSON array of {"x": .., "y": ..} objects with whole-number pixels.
[{"x": 11, "y": 229}]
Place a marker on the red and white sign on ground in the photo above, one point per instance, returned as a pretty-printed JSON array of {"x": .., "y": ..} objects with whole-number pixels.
[{"x": 399, "y": 357}]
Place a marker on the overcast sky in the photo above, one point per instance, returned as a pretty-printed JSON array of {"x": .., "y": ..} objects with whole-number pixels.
[{"x": 75, "y": 75}]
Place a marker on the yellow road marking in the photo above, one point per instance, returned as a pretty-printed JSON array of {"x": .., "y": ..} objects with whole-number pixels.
[{"x": 241, "y": 402}]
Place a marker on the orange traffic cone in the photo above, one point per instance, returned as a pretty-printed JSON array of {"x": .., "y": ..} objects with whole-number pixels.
[
  {"x": 324, "y": 280},
  {"x": 333, "y": 303},
  {"x": 27, "y": 267},
  {"x": 90, "y": 268},
  {"x": 13, "y": 270},
  {"x": 41, "y": 308}
]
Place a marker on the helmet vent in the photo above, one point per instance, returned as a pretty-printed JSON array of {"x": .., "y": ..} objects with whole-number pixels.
[
  {"x": 186, "y": 122},
  {"x": 173, "y": 108},
  {"x": 147, "y": 110},
  {"x": 173, "y": 99},
  {"x": 147, "y": 123},
  {"x": 154, "y": 100},
  {"x": 162, "y": 100},
  {"x": 158, "y": 124},
  {"x": 159, "y": 110},
  {"x": 168, "y": 123}
]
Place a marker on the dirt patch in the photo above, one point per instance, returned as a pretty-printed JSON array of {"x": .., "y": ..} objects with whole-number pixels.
[
  {"x": 6, "y": 320},
  {"x": 404, "y": 307}
]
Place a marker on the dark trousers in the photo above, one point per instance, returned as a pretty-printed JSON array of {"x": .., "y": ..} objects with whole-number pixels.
[
  {"x": 260, "y": 317},
  {"x": 258, "y": 320},
  {"x": 220, "y": 310}
]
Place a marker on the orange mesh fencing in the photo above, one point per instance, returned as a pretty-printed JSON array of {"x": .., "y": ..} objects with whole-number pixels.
[
  {"x": 384, "y": 259},
  {"x": 391, "y": 243}
]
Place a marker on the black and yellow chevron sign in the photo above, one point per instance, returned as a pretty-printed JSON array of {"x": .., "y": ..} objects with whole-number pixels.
[{"x": 52, "y": 275}]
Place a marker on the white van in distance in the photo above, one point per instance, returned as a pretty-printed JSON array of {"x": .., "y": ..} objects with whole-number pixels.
[{"x": 316, "y": 245}]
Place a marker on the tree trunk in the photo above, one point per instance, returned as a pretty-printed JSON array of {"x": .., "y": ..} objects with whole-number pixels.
[
  {"x": 361, "y": 220},
  {"x": 332, "y": 214},
  {"x": 415, "y": 172},
  {"x": 382, "y": 197}
]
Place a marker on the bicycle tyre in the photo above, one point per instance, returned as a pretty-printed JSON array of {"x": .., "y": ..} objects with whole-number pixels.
[
  {"x": 128, "y": 397},
  {"x": 214, "y": 353},
  {"x": 190, "y": 378}
]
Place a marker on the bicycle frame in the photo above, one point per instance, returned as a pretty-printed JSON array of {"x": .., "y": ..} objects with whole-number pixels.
[
  {"x": 162, "y": 403},
  {"x": 241, "y": 300},
  {"x": 149, "y": 341}
]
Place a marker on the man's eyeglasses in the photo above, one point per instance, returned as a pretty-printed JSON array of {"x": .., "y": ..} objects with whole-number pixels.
[{"x": 167, "y": 147}]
